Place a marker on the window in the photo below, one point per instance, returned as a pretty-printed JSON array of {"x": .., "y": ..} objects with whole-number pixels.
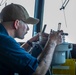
[
  {"x": 67, "y": 17},
  {"x": 52, "y": 16}
]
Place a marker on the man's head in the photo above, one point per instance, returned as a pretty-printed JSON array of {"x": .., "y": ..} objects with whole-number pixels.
[
  {"x": 19, "y": 17},
  {"x": 14, "y": 11}
]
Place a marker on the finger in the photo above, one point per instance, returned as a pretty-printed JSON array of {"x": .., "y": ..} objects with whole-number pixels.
[
  {"x": 52, "y": 31},
  {"x": 60, "y": 32}
]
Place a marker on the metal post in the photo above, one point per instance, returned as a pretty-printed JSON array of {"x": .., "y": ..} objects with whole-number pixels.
[{"x": 38, "y": 13}]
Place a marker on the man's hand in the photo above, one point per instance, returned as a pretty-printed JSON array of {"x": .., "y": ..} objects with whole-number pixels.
[{"x": 55, "y": 37}]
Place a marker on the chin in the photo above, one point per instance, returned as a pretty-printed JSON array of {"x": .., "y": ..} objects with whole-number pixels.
[{"x": 21, "y": 37}]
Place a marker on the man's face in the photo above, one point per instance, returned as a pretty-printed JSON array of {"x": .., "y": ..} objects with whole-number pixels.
[{"x": 22, "y": 30}]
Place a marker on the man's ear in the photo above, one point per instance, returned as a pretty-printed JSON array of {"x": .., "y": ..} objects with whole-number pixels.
[{"x": 16, "y": 24}]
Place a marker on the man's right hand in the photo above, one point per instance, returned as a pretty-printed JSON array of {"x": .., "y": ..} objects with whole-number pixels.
[{"x": 55, "y": 37}]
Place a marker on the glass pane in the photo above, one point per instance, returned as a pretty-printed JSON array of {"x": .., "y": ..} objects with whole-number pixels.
[{"x": 67, "y": 17}]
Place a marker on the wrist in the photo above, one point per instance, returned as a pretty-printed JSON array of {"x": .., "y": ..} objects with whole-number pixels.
[{"x": 29, "y": 43}]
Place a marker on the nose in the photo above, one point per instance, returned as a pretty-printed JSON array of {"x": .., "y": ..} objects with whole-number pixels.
[{"x": 27, "y": 27}]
